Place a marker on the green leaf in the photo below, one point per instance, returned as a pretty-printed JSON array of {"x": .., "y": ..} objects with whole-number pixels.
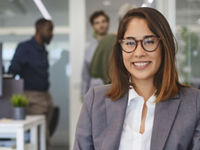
[{"x": 19, "y": 100}]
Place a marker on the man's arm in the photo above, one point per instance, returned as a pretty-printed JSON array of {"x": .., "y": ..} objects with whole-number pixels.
[{"x": 18, "y": 61}]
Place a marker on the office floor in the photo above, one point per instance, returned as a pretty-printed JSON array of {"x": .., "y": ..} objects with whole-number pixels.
[{"x": 58, "y": 148}]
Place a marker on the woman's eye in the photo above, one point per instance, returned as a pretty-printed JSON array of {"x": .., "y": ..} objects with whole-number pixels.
[
  {"x": 130, "y": 43},
  {"x": 149, "y": 42}
]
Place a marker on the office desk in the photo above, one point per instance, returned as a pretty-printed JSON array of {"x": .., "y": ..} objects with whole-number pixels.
[{"x": 16, "y": 129}]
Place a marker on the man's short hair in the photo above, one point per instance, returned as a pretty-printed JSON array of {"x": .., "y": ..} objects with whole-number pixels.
[
  {"x": 41, "y": 22},
  {"x": 97, "y": 14}
]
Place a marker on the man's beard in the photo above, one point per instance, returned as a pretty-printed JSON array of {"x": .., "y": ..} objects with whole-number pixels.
[
  {"x": 101, "y": 33},
  {"x": 46, "y": 40}
]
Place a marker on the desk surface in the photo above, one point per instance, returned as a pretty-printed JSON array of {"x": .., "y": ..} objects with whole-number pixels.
[
  {"x": 30, "y": 120},
  {"x": 17, "y": 128}
]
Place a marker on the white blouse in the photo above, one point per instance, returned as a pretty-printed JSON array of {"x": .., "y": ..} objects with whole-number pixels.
[{"x": 131, "y": 138}]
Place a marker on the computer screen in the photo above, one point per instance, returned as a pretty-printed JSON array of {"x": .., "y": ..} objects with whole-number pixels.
[{"x": 1, "y": 70}]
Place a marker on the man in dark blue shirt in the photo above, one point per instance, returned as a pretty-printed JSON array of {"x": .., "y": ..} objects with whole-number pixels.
[{"x": 30, "y": 62}]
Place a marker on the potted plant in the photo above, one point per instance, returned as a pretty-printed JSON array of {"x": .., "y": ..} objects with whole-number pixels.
[{"x": 19, "y": 102}]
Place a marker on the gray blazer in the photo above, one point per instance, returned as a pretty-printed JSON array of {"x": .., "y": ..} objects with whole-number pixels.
[{"x": 176, "y": 122}]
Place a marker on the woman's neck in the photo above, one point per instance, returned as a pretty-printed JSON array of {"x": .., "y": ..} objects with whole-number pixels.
[{"x": 144, "y": 88}]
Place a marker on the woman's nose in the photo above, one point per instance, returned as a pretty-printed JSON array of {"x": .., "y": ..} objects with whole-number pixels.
[{"x": 139, "y": 51}]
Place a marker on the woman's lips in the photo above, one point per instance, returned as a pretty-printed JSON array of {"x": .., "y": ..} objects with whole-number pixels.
[{"x": 141, "y": 65}]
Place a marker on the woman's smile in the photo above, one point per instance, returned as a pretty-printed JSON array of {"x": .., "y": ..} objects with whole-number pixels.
[{"x": 141, "y": 65}]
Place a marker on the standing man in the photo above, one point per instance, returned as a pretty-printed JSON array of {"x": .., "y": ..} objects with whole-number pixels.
[
  {"x": 30, "y": 62},
  {"x": 100, "y": 24}
]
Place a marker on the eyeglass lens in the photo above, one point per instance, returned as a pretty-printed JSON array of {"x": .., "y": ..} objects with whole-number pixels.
[{"x": 148, "y": 44}]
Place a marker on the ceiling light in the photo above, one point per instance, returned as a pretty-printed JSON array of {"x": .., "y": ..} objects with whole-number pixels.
[
  {"x": 144, "y": 5},
  {"x": 42, "y": 9},
  {"x": 150, "y": 1},
  {"x": 106, "y": 2}
]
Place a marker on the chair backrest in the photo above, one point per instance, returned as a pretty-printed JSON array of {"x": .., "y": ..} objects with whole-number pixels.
[
  {"x": 10, "y": 86},
  {"x": 54, "y": 120}
]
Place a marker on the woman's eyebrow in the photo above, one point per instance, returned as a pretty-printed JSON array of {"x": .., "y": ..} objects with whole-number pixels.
[
  {"x": 146, "y": 36},
  {"x": 132, "y": 37},
  {"x": 129, "y": 37}
]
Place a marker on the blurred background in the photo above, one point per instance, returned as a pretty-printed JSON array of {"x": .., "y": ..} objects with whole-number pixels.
[{"x": 72, "y": 33}]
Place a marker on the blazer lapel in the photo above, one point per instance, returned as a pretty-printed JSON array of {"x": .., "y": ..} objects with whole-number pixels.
[
  {"x": 165, "y": 113},
  {"x": 115, "y": 114}
]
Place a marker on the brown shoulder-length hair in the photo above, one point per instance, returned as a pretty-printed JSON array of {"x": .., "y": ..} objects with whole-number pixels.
[{"x": 166, "y": 79}]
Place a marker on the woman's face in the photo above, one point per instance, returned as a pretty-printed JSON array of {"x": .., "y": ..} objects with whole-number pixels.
[{"x": 142, "y": 65}]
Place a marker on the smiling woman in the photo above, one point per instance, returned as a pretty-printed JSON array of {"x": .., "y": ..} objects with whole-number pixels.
[
  {"x": 143, "y": 25},
  {"x": 144, "y": 107},
  {"x": 143, "y": 63}
]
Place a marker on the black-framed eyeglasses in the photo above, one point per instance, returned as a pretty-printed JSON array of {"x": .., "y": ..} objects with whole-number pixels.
[{"x": 149, "y": 43}]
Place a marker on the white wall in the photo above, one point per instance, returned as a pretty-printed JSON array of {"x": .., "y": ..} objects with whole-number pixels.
[
  {"x": 168, "y": 9},
  {"x": 77, "y": 44}
]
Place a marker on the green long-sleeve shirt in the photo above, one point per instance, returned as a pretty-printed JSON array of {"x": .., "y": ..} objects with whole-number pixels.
[{"x": 100, "y": 61}]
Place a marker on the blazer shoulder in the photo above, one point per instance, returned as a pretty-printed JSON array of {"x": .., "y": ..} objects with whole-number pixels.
[
  {"x": 191, "y": 95},
  {"x": 102, "y": 89},
  {"x": 96, "y": 93},
  {"x": 189, "y": 91}
]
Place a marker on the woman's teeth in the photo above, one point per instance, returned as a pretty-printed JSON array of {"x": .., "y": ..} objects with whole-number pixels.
[{"x": 141, "y": 63}]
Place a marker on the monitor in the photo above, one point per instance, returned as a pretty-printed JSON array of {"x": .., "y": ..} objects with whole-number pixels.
[{"x": 1, "y": 70}]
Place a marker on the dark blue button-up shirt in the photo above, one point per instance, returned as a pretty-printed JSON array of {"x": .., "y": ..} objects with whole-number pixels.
[{"x": 30, "y": 61}]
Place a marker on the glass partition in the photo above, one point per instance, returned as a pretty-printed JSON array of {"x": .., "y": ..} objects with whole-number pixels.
[{"x": 188, "y": 36}]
